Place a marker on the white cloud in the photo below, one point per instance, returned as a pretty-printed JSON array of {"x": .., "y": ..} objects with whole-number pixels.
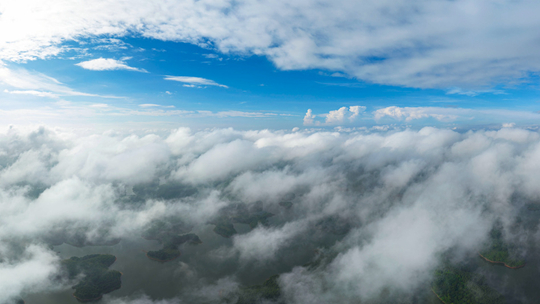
[
  {"x": 447, "y": 115},
  {"x": 334, "y": 117},
  {"x": 262, "y": 244},
  {"x": 459, "y": 91},
  {"x": 31, "y": 274},
  {"x": 309, "y": 118},
  {"x": 37, "y": 84},
  {"x": 509, "y": 125},
  {"x": 32, "y": 92},
  {"x": 417, "y": 44},
  {"x": 191, "y": 82},
  {"x": 409, "y": 196},
  {"x": 107, "y": 64}
]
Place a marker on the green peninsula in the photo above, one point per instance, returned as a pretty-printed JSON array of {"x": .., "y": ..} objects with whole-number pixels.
[
  {"x": 97, "y": 278},
  {"x": 454, "y": 286},
  {"x": 241, "y": 214},
  {"x": 269, "y": 291},
  {"x": 498, "y": 251},
  {"x": 286, "y": 204},
  {"x": 170, "y": 250}
]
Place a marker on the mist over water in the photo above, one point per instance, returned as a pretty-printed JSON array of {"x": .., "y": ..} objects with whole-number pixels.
[{"x": 380, "y": 209}]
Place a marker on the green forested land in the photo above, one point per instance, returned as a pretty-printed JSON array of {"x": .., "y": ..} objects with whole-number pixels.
[
  {"x": 161, "y": 229},
  {"x": 97, "y": 280},
  {"x": 269, "y": 290},
  {"x": 224, "y": 227},
  {"x": 454, "y": 286},
  {"x": 239, "y": 213},
  {"x": 286, "y": 204},
  {"x": 164, "y": 254},
  {"x": 498, "y": 250},
  {"x": 252, "y": 219},
  {"x": 170, "y": 246}
]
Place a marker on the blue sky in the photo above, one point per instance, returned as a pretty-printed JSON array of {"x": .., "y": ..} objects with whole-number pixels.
[{"x": 263, "y": 74}]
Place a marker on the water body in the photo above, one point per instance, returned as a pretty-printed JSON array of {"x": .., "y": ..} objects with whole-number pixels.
[
  {"x": 197, "y": 266},
  {"x": 205, "y": 264}
]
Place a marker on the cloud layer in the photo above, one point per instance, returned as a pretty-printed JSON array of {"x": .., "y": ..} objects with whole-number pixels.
[
  {"x": 426, "y": 44},
  {"x": 394, "y": 200}
]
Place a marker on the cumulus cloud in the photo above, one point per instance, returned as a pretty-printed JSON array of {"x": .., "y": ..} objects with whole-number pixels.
[
  {"x": 426, "y": 44},
  {"x": 262, "y": 244},
  {"x": 195, "y": 81},
  {"x": 107, "y": 64},
  {"x": 340, "y": 116},
  {"x": 32, "y": 273},
  {"x": 379, "y": 207}
]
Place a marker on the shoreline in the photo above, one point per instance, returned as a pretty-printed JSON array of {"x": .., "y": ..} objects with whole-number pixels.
[
  {"x": 158, "y": 260},
  {"x": 95, "y": 299},
  {"x": 498, "y": 262},
  {"x": 101, "y": 296},
  {"x": 437, "y": 296},
  {"x": 87, "y": 300}
]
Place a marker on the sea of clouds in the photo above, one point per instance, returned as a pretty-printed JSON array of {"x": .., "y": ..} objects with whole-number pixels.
[{"x": 407, "y": 195}]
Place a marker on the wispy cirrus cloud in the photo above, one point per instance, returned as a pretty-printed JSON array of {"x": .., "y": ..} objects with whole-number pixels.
[
  {"x": 107, "y": 64},
  {"x": 32, "y": 92},
  {"x": 37, "y": 84},
  {"x": 190, "y": 81}
]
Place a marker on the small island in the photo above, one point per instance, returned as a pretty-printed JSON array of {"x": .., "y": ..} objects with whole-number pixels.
[
  {"x": 97, "y": 278},
  {"x": 241, "y": 214},
  {"x": 497, "y": 251},
  {"x": 269, "y": 291},
  {"x": 170, "y": 250},
  {"x": 452, "y": 285}
]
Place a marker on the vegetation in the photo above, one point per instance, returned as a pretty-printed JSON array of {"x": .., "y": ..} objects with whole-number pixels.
[
  {"x": 498, "y": 251},
  {"x": 78, "y": 238},
  {"x": 454, "y": 286},
  {"x": 165, "y": 254},
  {"x": 239, "y": 213},
  {"x": 97, "y": 279},
  {"x": 533, "y": 207},
  {"x": 162, "y": 229},
  {"x": 170, "y": 246},
  {"x": 224, "y": 227},
  {"x": 269, "y": 290},
  {"x": 286, "y": 205}
]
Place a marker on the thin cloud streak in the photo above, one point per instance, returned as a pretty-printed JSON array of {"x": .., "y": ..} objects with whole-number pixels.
[
  {"x": 195, "y": 81},
  {"x": 107, "y": 64}
]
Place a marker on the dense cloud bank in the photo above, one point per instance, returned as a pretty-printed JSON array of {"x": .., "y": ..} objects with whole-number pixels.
[
  {"x": 394, "y": 202},
  {"x": 425, "y": 44}
]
